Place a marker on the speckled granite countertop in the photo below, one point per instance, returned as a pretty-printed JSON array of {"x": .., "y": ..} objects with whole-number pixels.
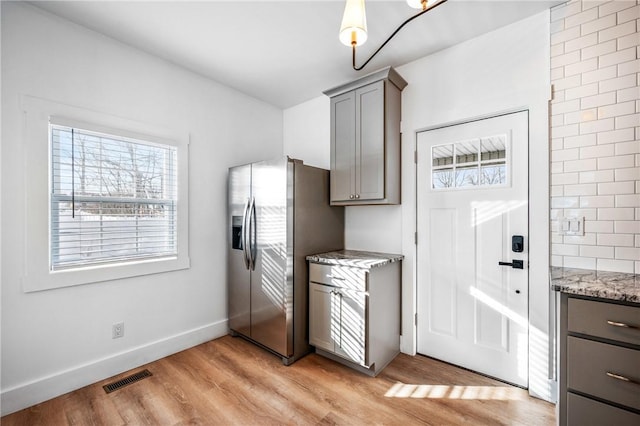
[
  {"x": 602, "y": 284},
  {"x": 354, "y": 258}
]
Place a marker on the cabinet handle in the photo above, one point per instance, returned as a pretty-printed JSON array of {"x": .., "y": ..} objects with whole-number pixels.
[
  {"x": 337, "y": 293},
  {"x": 351, "y": 196},
  {"x": 340, "y": 295},
  {"x": 357, "y": 195},
  {"x": 334, "y": 277},
  {"x": 621, "y": 324},
  {"x": 623, "y": 378}
]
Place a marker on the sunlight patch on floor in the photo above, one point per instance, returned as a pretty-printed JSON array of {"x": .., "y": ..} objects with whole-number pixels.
[{"x": 501, "y": 393}]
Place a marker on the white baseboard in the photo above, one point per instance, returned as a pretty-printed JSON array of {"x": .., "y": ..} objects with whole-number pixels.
[{"x": 45, "y": 388}]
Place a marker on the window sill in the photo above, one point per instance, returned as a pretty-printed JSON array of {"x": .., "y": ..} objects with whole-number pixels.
[{"x": 47, "y": 280}]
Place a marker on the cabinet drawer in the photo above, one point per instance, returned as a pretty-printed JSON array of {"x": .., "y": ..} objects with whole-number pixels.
[
  {"x": 583, "y": 411},
  {"x": 604, "y": 320},
  {"x": 588, "y": 363},
  {"x": 339, "y": 276}
]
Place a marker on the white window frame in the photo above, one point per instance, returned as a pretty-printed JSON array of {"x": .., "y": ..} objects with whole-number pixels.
[{"x": 37, "y": 272}]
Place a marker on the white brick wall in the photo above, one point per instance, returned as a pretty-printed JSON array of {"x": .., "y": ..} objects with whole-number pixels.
[{"x": 595, "y": 133}]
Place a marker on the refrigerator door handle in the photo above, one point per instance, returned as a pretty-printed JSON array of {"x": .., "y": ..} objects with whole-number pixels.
[
  {"x": 252, "y": 234},
  {"x": 243, "y": 236}
]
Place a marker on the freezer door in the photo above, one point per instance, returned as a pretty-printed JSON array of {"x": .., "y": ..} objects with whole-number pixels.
[
  {"x": 272, "y": 277},
  {"x": 239, "y": 195}
]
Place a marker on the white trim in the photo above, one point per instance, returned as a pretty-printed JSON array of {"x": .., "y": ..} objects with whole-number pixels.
[
  {"x": 541, "y": 314},
  {"x": 45, "y": 388},
  {"x": 36, "y": 272},
  {"x": 100, "y": 129}
]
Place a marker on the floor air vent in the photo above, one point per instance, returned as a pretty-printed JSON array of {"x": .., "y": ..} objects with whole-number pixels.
[{"x": 126, "y": 381}]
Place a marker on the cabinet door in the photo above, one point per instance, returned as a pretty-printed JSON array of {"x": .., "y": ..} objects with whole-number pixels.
[
  {"x": 369, "y": 164},
  {"x": 321, "y": 325},
  {"x": 351, "y": 342},
  {"x": 343, "y": 147}
]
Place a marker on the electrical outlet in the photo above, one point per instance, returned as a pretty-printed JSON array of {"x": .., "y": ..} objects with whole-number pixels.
[
  {"x": 571, "y": 226},
  {"x": 117, "y": 330}
]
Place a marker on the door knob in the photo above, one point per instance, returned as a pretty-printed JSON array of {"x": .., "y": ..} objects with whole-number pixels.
[{"x": 515, "y": 264}]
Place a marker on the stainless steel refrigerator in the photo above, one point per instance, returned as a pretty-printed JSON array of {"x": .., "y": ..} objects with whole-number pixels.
[{"x": 278, "y": 214}]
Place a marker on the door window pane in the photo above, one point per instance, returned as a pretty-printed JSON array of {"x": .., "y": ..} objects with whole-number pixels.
[
  {"x": 466, "y": 176},
  {"x": 443, "y": 178},
  {"x": 467, "y": 151},
  {"x": 442, "y": 155},
  {"x": 493, "y": 154},
  {"x": 493, "y": 174},
  {"x": 470, "y": 163}
]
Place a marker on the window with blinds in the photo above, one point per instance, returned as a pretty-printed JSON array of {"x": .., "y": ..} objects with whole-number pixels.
[{"x": 113, "y": 199}]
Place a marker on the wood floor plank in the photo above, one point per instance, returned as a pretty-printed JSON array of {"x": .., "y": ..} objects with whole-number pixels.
[{"x": 230, "y": 381}]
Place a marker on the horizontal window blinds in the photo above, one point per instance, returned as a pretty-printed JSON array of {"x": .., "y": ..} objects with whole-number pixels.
[{"x": 113, "y": 198}]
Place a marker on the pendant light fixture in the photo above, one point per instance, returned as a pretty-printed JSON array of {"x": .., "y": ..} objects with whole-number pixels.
[{"x": 353, "y": 31}]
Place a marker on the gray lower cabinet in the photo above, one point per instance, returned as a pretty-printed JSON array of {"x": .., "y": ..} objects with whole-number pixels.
[
  {"x": 354, "y": 314},
  {"x": 599, "y": 362},
  {"x": 365, "y": 140},
  {"x": 338, "y": 321}
]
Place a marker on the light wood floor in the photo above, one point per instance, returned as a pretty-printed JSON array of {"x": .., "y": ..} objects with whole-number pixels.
[{"x": 229, "y": 381}]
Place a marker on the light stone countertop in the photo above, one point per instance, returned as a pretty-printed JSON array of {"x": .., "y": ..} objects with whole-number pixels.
[
  {"x": 355, "y": 258},
  {"x": 603, "y": 284}
]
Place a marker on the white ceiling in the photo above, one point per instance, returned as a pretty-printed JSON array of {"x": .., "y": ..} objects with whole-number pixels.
[{"x": 285, "y": 52}]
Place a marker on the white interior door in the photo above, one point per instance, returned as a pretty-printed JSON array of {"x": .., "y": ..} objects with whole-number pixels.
[{"x": 472, "y": 199}]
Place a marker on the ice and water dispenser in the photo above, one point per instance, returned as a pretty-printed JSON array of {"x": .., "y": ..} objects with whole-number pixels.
[{"x": 236, "y": 232}]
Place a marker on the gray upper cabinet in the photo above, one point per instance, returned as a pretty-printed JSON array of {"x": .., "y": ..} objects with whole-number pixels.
[{"x": 365, "y": 139}]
